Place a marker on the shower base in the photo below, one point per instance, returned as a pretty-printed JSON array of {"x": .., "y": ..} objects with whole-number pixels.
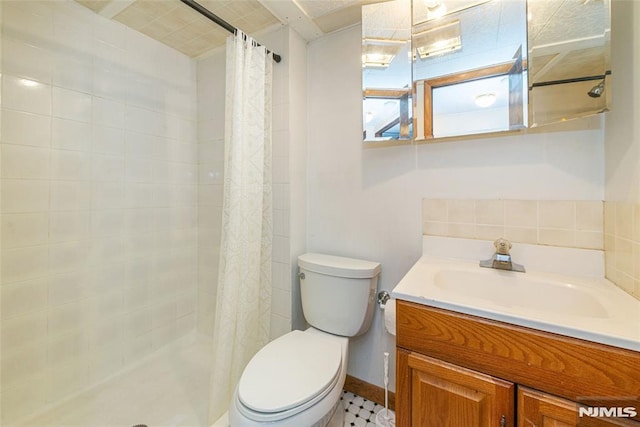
[{"x": 168, "y": 388}]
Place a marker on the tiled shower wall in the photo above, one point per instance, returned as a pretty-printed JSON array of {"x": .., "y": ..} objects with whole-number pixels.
[{"x": 99, "y": 196}]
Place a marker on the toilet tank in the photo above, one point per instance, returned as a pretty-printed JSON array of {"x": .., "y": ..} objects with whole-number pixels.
[{"x": 338, "y": 293}]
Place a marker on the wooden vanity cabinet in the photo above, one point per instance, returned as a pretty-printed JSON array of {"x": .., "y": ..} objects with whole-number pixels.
[
  {"x": 457, "y": 370},
  {"x": 537, "y": 409},
  {"x": 443, "y": 394}
]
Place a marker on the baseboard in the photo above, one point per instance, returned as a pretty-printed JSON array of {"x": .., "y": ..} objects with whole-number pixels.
[{"x": 369, "y": 391}]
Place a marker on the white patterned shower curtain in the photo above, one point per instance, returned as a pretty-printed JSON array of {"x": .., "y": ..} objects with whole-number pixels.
[{"x": 243, "y": 304}]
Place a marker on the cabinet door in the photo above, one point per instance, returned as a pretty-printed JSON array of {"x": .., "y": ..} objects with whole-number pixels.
[
  {"x": 446, "y": 395},
  {"x": 537, "y": 409}
]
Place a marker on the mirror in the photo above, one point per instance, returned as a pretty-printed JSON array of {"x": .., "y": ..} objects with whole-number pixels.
[
  {"x": 386, "y": 72},
  {"x": 480, "y": 66},
  {"x": 569, "y": 45},
  {"x": 469, "y": 67}
]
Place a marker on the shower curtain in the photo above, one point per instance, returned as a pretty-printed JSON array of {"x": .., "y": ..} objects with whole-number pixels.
[{"x": 243, "y": 304}]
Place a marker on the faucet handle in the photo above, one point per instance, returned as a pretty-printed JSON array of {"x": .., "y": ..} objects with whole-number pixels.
[{"x": 502, "y": 246}]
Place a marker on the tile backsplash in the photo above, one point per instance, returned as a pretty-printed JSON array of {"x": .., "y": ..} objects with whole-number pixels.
[
  {"x": 622, "y": 245},
  {"x": 570, "y": 223}
]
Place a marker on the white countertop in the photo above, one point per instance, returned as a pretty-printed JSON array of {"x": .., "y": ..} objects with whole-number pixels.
[{"x": 610, "y": 316}]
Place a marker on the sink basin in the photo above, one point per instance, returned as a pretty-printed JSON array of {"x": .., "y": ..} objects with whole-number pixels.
[
  {"x": 585, "y": 307},
  {"x": 517, "y": 290}
]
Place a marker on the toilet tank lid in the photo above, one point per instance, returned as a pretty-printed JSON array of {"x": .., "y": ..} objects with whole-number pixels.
[{"x": 338, "y": 266}]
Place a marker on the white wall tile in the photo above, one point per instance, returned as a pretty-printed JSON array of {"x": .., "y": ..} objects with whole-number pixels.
[
  {"x": 69, "y": 256},
  {"x": 24, "y": 195},
  {"x": 24, "y": 297},
  {"x": 104, "y": 335},
  {"x": 71, "y": 105},
  {"x": 67, "y": 287},
  {"x": 73, "y": 71},
  {"x": 107, "y": 167},
  {"x": 65, "y": 319},
  {"x": 26, "y": 129},
  {"x": 107, "y": 195},
  {"x": 107, "y": 222},
  {"x": 68, "y": 226},
  {"x": 144, "y": 121},
  {"x": 67, "y": 348},
  {"x": 141, "y": 146},
  {"x": 25, "y": 95},
  {"x": 110, "y": 32},
  {"x": 19, "y": 230},
  {"x": 70, "y": 165},
  {"x": 23, "y": 365},
  {"x": 105, "y": 306},
  {"x": 108, "y": 112},
  {"x": 138, "y": 170},
  {"x": 70, "y": 196},
  {"x": 105, "y": 278},
  {"x": 25, "y": 60},
  {"x": 137, "y": 347},
  {"x": 21, "y": 400},
  {"x": 71, "y": 135},
  {"x": 281, "y": 303},
  {"x": 73, "y": 32},
  {"x": 109, "y": 80},
  {"x": 24, "y": 263},
  {"x": 99, "y": 199},
  {"x": 106, "y": 250},
  {"x": 24, "y": 162},
  {"x": 106, "y": 362},
  {"x": 24, "y": 330},
  {"x": 67, "y": 379},
  {"x": 163, "y": 335},
  {"x": 35, "y": 26}
]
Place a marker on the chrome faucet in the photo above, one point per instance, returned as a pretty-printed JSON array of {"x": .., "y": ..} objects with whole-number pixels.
[{"x": 501, "y": 259}]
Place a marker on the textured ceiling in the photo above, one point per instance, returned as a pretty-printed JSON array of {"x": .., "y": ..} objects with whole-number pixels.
[{"x": 178, "y": 26}]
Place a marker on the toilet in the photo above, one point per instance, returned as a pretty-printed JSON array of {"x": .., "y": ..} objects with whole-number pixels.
[{"x": 296, "y": 380}]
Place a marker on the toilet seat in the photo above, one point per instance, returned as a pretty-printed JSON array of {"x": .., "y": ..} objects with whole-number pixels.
[{"x": 299, "y": 369}]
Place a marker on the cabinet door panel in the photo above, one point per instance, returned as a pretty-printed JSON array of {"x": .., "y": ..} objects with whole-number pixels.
[
  {"x": 537, "y": 409},
  {"x": 445, "y": 395}
]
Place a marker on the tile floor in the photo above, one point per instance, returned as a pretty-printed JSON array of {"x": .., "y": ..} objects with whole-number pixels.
[
  {"x": 360, "y": 412},
  {"x": 170, "y": 389}
]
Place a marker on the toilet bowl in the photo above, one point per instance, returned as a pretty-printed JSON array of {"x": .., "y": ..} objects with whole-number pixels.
[
  {"x": 297, "y": 379},
  {"x": 294, "y": 381}
]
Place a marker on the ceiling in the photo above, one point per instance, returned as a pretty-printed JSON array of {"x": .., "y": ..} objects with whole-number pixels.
[{"x": 173, "y": 23}]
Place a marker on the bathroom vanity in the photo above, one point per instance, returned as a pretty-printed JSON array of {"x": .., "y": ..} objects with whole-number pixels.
[
  {"x": 491, "y": 373},
  {"x": 480, "y": 347}
]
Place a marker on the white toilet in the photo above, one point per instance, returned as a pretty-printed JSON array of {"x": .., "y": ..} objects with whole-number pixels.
[{"x": 297, "y": 379}]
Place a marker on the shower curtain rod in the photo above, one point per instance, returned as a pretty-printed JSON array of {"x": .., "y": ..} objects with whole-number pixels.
[{"x": 221, "y": 22}]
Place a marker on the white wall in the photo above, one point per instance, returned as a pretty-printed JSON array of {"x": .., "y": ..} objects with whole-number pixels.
[
  {"x": 98, "y": 182},
  {"x": 623, "y": 128},
  {"x": 366, "y": 203},
  {"x": 622, "y": 201}
]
